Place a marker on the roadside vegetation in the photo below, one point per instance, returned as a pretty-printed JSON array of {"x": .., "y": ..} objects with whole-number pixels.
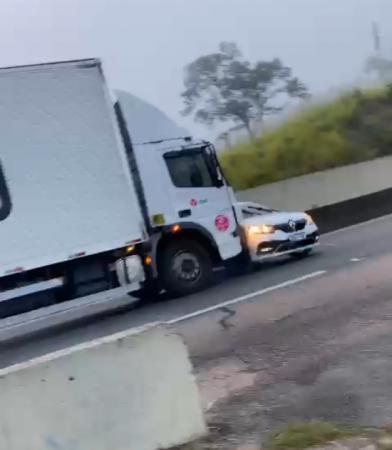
[
  {"x": 301, "y": 436},
  {"x": 353, "y": 128},
  {"x": 305, "y": 435}
]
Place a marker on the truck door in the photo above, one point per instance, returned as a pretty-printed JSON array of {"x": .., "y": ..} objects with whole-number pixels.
[{"x": 201, "y": 196}]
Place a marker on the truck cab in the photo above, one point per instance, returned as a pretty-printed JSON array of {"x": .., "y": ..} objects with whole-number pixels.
[{"x": 188, "y": 202}]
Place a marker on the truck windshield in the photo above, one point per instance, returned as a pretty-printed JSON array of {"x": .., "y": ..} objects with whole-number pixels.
[
  {"x": 189, "y": 168},
  {"x": 5, "y": 204}
]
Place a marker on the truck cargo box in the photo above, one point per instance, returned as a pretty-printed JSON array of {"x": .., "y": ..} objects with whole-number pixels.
[{"x": 65, "y": 186}]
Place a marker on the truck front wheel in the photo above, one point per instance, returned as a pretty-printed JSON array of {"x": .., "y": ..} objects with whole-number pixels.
[{"x": 186, "y": 267}]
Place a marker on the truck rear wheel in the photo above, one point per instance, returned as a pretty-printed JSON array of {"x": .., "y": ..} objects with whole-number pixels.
[{"x": 186, "y": 267}]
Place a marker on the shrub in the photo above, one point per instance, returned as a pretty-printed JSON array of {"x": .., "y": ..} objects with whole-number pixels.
[{"x": 350, "y": 129}]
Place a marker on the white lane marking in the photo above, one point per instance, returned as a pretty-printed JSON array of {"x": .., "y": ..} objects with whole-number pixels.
[
  {"x": 247, "y": 297},
  {"x": 356, "y": 259},
  {"x": 358, "y": 225}
]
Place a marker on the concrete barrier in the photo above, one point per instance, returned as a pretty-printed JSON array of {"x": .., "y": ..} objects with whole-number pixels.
[
  {"x": 335, "y": 198},
  {"x": 319, "y": 189},
  {"x": 353, "y": 211},
  {"x": 130, "y": 391}
]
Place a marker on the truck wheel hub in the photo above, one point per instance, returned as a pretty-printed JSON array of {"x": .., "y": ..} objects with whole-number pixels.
[{"x": 186, "y": 267}]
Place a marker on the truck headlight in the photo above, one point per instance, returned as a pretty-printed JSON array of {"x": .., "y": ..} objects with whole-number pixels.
[{"x": 261, "y": 229}]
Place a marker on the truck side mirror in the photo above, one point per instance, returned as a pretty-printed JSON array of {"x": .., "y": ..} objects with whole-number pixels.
[{"x": 219, "y": 182}]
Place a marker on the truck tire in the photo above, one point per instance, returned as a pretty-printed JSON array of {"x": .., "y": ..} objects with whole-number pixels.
[{"x": 186, "y": 268}]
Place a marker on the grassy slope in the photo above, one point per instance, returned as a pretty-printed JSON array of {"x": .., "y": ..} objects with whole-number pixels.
[
  {"x": 301, "y": 436},
  {"x": 353, "y": 128},
  {"x": 305, "y": 435}
]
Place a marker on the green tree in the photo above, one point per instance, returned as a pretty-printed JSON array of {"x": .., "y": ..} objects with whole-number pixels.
[{"x": 223, "y": 86}]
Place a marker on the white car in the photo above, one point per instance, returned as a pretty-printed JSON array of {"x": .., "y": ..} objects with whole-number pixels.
[{"x": 270, "y": 233}]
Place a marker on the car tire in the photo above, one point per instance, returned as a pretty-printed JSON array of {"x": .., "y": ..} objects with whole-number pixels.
[
  {"x": 239, "y": 265},
  {"x": 302, "y": 254},
  {"x": 186, "y": 268}
]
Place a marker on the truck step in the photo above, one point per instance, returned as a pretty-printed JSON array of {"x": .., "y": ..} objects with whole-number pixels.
[{"x": 31, "y": 289}]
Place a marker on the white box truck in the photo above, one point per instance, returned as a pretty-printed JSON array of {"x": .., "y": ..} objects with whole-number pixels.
[
  {"x": 69, "y": 211},
  {"x": 94, "y": 200}
]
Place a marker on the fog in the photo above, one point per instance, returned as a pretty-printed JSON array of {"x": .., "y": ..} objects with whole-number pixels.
[{"x": 145, "y": 44}]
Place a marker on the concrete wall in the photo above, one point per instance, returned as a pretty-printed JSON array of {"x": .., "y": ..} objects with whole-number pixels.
[
  {"x": 131, "y": 391},
  {"x": 324, "y": 188}
]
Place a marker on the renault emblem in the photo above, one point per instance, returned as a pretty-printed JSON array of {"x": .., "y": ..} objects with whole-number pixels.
[{"x": 292, "y": 225}]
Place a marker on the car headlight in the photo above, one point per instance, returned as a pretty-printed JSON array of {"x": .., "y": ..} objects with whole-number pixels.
[
  {"x": 309, "y": 220},
  {"x": 261, "y": 229}
]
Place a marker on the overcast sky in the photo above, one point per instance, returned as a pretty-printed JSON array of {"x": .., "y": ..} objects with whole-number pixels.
[{"x": 146, "y": 43}]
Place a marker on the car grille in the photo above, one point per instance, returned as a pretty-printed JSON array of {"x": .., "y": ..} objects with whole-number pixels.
[
  {"x": 276, "y": 247},
  {"x": 299, "y": 225}
]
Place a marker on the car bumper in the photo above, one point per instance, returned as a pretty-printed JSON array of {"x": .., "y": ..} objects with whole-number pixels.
[{"x": 270, "y": 246}]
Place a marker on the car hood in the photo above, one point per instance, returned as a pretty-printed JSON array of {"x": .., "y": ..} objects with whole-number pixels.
[{"x": 274, "y": 218}]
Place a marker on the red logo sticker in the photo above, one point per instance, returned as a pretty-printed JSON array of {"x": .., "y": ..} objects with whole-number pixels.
[
  {"x": 193, "y": 202},
  {"x": 222, "y": 223}
]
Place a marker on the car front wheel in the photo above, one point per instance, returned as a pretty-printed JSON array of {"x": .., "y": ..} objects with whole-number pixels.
[{"x": 302, "y": 254}]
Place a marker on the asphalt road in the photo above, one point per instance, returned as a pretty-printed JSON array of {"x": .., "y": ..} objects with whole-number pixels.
[
  {"x": 294, "y": 340},
  {"x": 338, "y": 252},
  {"x": 318, "y": 350}
]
